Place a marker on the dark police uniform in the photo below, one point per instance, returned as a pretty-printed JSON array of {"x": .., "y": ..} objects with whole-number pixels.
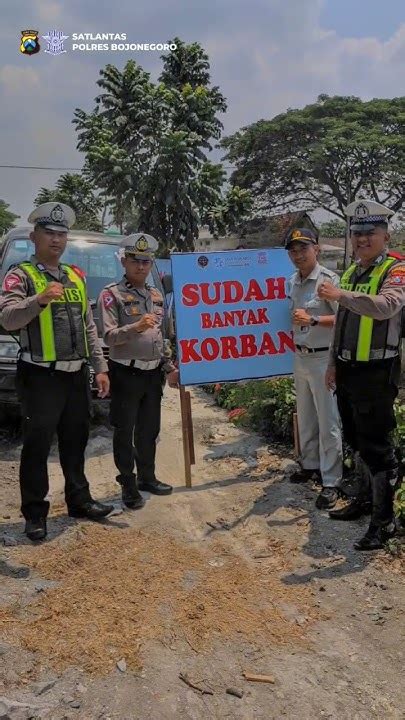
[
  {"x": 52, "y": 374},
  {"x": 137, "y": 360},
  {"x": 366, "y": 354}
]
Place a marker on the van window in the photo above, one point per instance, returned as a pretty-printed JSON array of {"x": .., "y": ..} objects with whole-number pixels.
[{"x": 99, "y": 261}]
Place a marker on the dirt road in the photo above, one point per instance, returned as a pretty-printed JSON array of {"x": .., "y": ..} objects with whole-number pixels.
[{"x": 241, "y": 573}]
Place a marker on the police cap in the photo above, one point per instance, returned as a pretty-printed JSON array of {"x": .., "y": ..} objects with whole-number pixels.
[
  {"x": 367, "y": 214},
  {"x": 139, "y": 246},
  {"x": 53, "y": 216}
]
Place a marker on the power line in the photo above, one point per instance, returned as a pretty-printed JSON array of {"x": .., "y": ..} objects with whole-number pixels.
[
  {"x": 59, "y": 169},
  {"x": 37, "y": 167}
]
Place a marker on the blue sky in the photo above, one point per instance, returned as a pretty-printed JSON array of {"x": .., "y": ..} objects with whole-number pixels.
[
  {"x": 266, "y": 56},
  {"x": 363, "y": 18}
]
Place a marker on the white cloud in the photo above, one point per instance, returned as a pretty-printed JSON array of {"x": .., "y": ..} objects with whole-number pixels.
[{"x": 266, "y": 56}]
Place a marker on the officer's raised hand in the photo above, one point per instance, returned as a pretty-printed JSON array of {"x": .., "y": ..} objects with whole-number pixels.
[
  {"x": 53, "y": 291},
  {"x": 328, "y": 291},
  {"x": 301, "y": 317},
  {"x": 146, "y": 322}
]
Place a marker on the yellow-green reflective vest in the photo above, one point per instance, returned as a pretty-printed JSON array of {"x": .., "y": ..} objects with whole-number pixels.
[
  {"x": 360, "y": 334},
  {"x": 59, "y": 331}
]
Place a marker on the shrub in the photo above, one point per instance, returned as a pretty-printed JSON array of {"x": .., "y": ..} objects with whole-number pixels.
[{"x": 264, "y": 405}]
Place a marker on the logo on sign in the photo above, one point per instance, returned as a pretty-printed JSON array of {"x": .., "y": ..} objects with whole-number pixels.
[
  {"x": 55, "y": 40},
  {"x": 203, "y": 261}
]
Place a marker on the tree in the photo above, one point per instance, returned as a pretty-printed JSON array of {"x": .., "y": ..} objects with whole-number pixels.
[
  {"x": 332, "y": 229},
  {"x": 7, "y": 218},
  {"x": 77, "y": 192},
  {"x": 324, "y": 155},
  {"x": 146, "y": 145}
]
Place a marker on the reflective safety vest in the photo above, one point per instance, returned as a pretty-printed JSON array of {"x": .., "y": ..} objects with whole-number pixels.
[
  {"x": 59, "y": 331},
  {"x": 360, "y": 334}
]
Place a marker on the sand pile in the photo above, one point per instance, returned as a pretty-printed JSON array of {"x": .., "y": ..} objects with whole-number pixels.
[{"x": 117, "y": 589}]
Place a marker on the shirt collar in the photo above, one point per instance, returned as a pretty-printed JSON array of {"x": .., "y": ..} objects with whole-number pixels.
[{"x": 313, "y": 275}]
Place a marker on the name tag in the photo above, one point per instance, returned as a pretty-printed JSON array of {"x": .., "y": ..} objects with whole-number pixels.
[{"x": 71, "y": 295}]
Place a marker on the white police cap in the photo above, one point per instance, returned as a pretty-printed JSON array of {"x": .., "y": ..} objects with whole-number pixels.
[
  {"x": 368, "y": 212},
  {"x": 53, "y": 216},
  {"x": 139, "y": 245}
]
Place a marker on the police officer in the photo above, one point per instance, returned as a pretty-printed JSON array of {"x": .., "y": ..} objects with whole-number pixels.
[
  {"x": 365, "y": 362},
  {"x": 313, "y": 319},
  {"x": 131, "y": 314},
  {"x": 47, "y": 302}
]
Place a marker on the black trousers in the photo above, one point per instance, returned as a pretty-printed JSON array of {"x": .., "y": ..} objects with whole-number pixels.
[
  {"x": 365, "y": 395},
  {"x": 52, "y": 401},
  {"x": 136, "y": 397}
]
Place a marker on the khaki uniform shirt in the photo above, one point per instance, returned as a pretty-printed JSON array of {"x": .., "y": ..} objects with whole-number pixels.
[
  {"x": 303, "y": 294},
  {"x": 120, "y": 306},
  {"x": 387, "y": 305},
  {"x": 18, "y": 308}
]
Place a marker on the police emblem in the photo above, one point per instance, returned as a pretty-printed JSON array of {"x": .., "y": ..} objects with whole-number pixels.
[
  {"x": 361, "y": 211},
  {"x": 142, "y": 244},
  {"x": 55, "y": 40},
  {"x": 296, "y": 234},
  {"x": 202, "y": 261},
  {"x": 29, "y": 42},
  {"x": 57, "y": 214}
]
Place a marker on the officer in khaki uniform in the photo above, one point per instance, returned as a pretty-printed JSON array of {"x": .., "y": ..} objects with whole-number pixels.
[
  {"x": 46, "y": 301},
  {"x": 364, "y": 363},
  {"x": 131, "y": 314},
  {"x": 313, "y": 319}
]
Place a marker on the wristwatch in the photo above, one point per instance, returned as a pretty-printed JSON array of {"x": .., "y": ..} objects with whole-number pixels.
[{"x": 314, "y": 320}]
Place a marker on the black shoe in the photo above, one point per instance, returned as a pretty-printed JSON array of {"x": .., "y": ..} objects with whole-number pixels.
[
  {"x": 302, "y": 476},
  {"x": 375, "y": 537},
  {"x": 131, "y": 497},
  {"x": 327, "y": 498},
  {"x": 156, "y": 487},
  {"x": 92, "y": 510},
  {"x": 354, "y": 510},
  {"x": 36, "y": 529}
]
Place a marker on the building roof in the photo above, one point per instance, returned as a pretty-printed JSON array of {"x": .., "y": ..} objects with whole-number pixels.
[{"x": 273, "y": 230}]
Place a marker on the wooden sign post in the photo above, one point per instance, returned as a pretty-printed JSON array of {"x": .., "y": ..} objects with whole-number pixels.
[{"x": 187, "y": 432}]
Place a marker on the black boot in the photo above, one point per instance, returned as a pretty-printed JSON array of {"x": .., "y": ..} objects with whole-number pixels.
[
  {"x": 375, "y": 537},
  {"x": 35, "y": 529},
  {"x": 355, "y": 509},
  {"x": 131, "y": 497},
  {"x": 382, "y": 525},
  {"x": 155, "y": 487}
]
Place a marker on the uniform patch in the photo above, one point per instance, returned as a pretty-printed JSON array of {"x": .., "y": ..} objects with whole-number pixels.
[
  {"x": 396, "y": 277},
  {"x": 11, "y": 281},
  {"x": 108, "y": 299}
]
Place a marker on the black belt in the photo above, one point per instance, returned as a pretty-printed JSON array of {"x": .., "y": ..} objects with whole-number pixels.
[{"x": 304, "y": 349}]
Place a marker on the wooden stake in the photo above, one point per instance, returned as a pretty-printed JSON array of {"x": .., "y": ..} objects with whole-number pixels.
[
  {"x": 190, "y": 428},
  {"x": 297, "y": 449},
  {"x": 185, "y": 426}
]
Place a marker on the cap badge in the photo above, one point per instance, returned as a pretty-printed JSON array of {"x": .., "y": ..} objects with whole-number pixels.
[
  {"x": 361, "y": 211},
  {"x": 296, "y": 234},
  {"x": 141, "y": 244},
  {"x": 57, "y": 214}
]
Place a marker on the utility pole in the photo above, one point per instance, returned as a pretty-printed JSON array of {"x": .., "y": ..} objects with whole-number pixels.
[{"x": 347, "y": 238}]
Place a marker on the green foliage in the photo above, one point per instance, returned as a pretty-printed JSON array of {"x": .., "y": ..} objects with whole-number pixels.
[
  {"x": 7, "y": 218},
  {"x": 321, "y": 155},
  {"x": 76, "y": 191},
  {"x": 332, "y": 229},
  {"x": 399, "y": 439},
  {"x": 146, "y": 147},
  {"x": 269, "y": 404}
]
